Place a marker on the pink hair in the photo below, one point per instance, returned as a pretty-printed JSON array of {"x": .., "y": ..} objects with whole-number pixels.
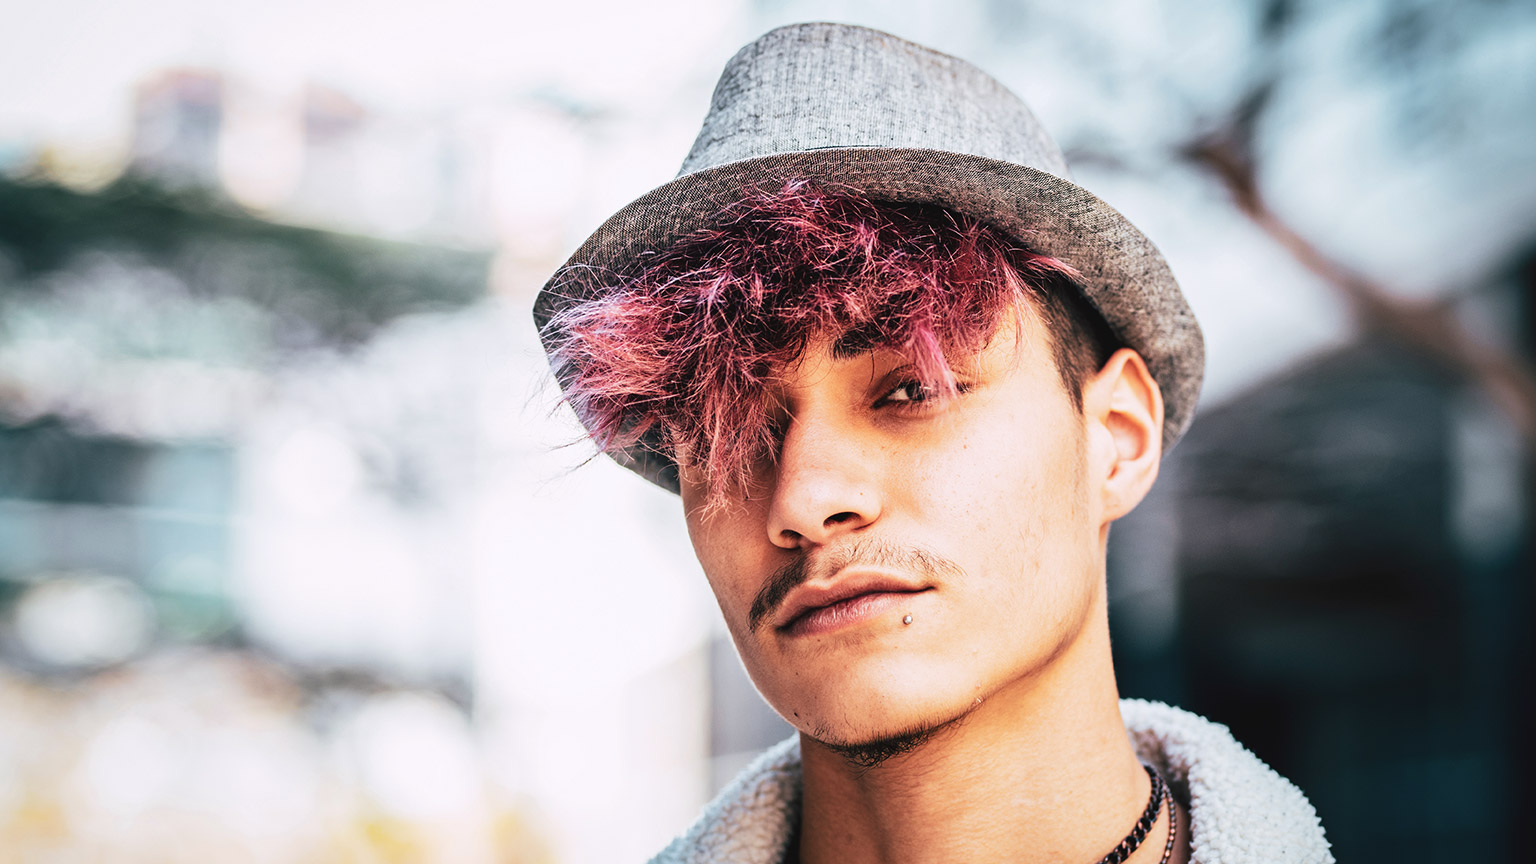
[{"x": 681, "y": 354}]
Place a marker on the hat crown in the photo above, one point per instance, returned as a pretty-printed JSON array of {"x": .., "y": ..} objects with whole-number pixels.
[{"x": 822, "y": 86}]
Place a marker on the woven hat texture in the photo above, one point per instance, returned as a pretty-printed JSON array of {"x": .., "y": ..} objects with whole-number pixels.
[{"x": 899, "y": 122}]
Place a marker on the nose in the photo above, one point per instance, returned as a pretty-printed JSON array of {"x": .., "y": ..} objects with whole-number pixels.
[{"x": 824, "y": 487}]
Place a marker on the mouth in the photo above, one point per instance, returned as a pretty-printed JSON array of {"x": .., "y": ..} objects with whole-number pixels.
[{"x": 853, "y": 599}]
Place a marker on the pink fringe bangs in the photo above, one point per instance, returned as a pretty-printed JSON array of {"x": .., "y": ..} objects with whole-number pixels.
[{"x": 680, "y": 355}]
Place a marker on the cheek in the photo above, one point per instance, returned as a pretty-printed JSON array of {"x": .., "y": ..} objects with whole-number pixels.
[
  {"x": 998, "y": 471},
  {"x": 1008, "y": 494},
  {"x": 725, "y": 555}
]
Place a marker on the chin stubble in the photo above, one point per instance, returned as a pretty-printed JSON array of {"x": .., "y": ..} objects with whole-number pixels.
[{"x": 875, "y": 752}]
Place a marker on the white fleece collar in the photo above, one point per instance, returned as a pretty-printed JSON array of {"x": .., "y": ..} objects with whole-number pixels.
[{"x": 1242, "y": 812}]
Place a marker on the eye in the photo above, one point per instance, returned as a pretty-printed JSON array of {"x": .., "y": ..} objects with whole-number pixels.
[
  {"x": 911, "y": 395},
  {"x": 909, "y": 391}
]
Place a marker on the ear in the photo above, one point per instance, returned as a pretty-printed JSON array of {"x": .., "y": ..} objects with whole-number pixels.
[{"x": 1123, "y": 411}]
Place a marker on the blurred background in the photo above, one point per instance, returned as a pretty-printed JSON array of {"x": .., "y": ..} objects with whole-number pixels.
[{"x": 300, "y": 561}]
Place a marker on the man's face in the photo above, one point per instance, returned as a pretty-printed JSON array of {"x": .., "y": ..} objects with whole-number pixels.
[{"x": 970, "y": 514}]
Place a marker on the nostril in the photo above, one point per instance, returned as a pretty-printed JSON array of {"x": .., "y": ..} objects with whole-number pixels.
[{"x": 840, "y": 518}]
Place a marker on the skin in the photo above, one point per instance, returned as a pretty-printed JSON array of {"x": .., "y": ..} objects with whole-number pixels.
[{"x": 1006, "y": 660}]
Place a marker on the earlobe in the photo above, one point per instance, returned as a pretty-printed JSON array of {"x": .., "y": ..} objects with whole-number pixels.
[{"x": 1123, "y": 407}]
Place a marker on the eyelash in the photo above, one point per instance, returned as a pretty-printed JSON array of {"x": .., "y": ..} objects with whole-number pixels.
[{"x": 920, "y": 398}]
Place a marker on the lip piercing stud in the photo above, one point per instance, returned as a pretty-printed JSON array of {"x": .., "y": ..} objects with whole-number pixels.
[{"x": 907, "y": 620}]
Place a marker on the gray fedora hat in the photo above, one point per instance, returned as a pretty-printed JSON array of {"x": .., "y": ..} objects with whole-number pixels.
[{"x": 901, "y": 123}]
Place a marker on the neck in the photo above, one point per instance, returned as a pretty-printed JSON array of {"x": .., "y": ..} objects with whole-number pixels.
[{"x": 1039, "y": 771}]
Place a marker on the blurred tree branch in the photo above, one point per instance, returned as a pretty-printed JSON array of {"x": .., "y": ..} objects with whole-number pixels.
[{"x": 1227, "y": 155}]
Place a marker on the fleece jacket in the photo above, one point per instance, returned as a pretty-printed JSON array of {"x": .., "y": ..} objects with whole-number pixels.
[{"x": 1241, "y": 811}]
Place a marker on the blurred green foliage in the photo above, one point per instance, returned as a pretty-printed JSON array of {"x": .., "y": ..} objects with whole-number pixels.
[{"x": 324, "y": 288}]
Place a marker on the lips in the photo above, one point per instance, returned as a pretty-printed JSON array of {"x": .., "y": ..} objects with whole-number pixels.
[{"x": 848, "y": 599}]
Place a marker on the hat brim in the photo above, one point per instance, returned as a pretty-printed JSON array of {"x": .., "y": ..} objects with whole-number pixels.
[{"x": 1122, "y": 274}]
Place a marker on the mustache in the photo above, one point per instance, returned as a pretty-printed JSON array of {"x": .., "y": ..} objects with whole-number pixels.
[{"x": 875, "y": 553}]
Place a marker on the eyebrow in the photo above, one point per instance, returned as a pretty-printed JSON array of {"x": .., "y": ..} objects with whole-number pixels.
[{"x": 859, "y": 340}]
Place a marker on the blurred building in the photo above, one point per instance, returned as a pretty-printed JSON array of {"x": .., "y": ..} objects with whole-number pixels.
[
  {"x": 108, "y": 544},
  {"x": 144, "y": 329},
  {"x": 331, "y": 183},
  {"x": 178, "y": 117}
]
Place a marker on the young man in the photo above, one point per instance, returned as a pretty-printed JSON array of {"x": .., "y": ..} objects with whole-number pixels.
[{"x": 904, "y": 375}]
